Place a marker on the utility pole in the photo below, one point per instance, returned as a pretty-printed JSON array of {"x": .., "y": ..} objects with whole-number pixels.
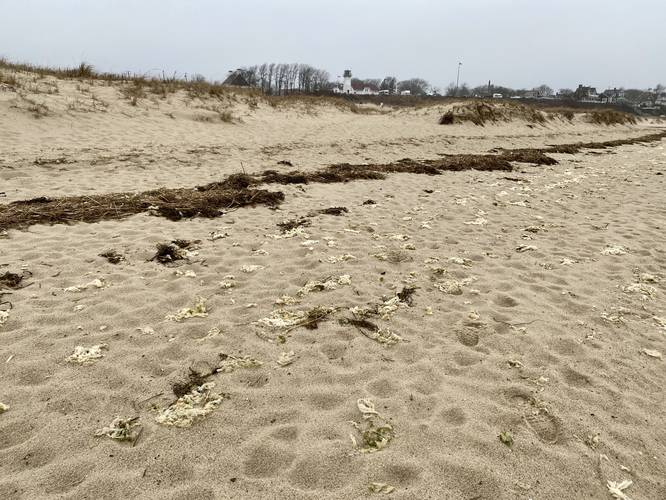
[{"x": 458, "y": 78}]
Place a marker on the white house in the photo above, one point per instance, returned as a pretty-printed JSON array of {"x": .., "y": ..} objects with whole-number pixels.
[{"x": 349, "y": 88}]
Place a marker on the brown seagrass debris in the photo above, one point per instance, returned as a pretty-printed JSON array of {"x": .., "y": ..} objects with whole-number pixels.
[
  {"x": 174, "y": 204},
  {"x": 112, "y": 256},
  {"x": 11, "y": 280},
  {"x": 238, "y": 190},
  {"x": 334, "y": 211}
]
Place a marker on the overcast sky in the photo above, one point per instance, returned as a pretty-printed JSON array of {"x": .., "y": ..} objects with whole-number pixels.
[{"x": 519, "y": 43}]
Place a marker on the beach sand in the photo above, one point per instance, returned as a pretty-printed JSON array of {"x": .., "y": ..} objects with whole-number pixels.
[{"x": 537, "y": 314}]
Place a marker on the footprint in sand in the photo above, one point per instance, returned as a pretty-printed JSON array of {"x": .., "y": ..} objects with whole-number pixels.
[
  {"x": 468, "y": 337},
  {"x": 547, "y": 427}
]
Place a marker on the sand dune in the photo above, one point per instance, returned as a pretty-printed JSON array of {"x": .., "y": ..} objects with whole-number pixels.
[{"x": 537, "y": 313}]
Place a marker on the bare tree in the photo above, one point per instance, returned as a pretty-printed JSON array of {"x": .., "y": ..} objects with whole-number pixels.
[
  {"x": 544, "y": 90},
  {"x": 416, "y": 86}
]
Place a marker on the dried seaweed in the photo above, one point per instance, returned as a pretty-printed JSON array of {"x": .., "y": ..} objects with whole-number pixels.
[
  {"x": 194, "y": 379},
  {"x": 290, "y": 225},
  {"x": 405, "y": 295},
  {"x": 112, "y": 256},
  {"x": 212, "y": 200},
  {"x": 334, "y": 211},
  {"x": 11, "y": 281}
]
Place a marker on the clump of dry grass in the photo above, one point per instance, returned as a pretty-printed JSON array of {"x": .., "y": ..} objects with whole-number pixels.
[
  {"x": 480, "y": 113},
  {"x": 611, "y": 117},
  {"x": 9, "y": 79}
]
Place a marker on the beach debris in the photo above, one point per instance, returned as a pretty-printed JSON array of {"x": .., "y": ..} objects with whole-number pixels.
[
  {"x": 96, "y": 283},
  {"x": 120, "y": 429},
  {"x": 211, "y": 334},
  {"x": 406, "y": 295},
  {"x": 645, "y": 290},
  {"x": 452, "y": 287},
  {"x": 515, "y": 363},
  {"x": 398, "y": 237},
  {"x": 617, "y": 489},
  {"x": 12, "y": 281},
  {"x": 386, "y": 309},
  {"x": 335, "y": 259},
  {"x": 290, "y": 226},
  {"x": 565, "y": 261},
  {"x": 525, "y": 248},
  {"x": 592, "y": 440},
  {"x": 381, "y": 488},
  {"x": 4, "y": 317},
  {"x": 3, "y": 408},
  {"x": 376, "y": 433},
  {"x": 286, "y": 358},
  {"x": 251, "y": 268},
  {"x": 291, "y": 233},
  {"x": 534, "y": 229},
  {"x": 660, "y": 321},
  {"x": 229, "y": 364},
  {"x": 369, "y": 202},
  {"x": 86, "y": 355},
  {"x": 188, "y": 408},
  {"x": 225, "y": 285},
  {"x": 168, "y": 253},
  {"x": 506, "y": 437},
  {"x": 315, "y": 315},
  {"x": 460, "y": 261},
  {"x": 652, "y": 353},
  {"x": 479, "y": 221},
  {"x": 309, "y": 244},
  {"x": 613, "y": 250},
  {"x": 188, "y": 273},
  {"x": 199, "y": 310},
  {"x": 283, "y": 318},
  {"x": 216, "y": 235},
  {"x": 648, "y": 278},
  {"x": 146, "y": 330},
  {"x": 328, "y": 283},
  {"x": 334, "y": 211},
  {"x": 382, "y": 336},
  {"x": 287, "y": 300},
  {"x": 112, "y": 256}
]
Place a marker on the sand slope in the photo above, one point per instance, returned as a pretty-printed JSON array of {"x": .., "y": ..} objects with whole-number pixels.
[{"x": 546, "y": 344}]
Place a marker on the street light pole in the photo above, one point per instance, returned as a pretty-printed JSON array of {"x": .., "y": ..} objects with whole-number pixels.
[{"x": 458, "y": 78}]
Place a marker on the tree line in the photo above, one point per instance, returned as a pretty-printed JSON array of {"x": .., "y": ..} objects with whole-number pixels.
[{"x": 282, "y": 78}]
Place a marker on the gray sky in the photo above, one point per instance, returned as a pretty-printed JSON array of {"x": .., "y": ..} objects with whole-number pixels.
[{"x": 520, "y": 43}]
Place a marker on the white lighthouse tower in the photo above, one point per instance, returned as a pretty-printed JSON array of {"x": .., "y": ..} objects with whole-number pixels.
[{"x": 346, "y": 84}]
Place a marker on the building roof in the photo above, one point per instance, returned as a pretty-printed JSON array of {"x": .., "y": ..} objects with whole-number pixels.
[{"x": 236, "y": 79}]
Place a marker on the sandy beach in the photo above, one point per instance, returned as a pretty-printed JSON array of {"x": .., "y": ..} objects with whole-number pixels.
[{"x": 467, "y": 335}]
